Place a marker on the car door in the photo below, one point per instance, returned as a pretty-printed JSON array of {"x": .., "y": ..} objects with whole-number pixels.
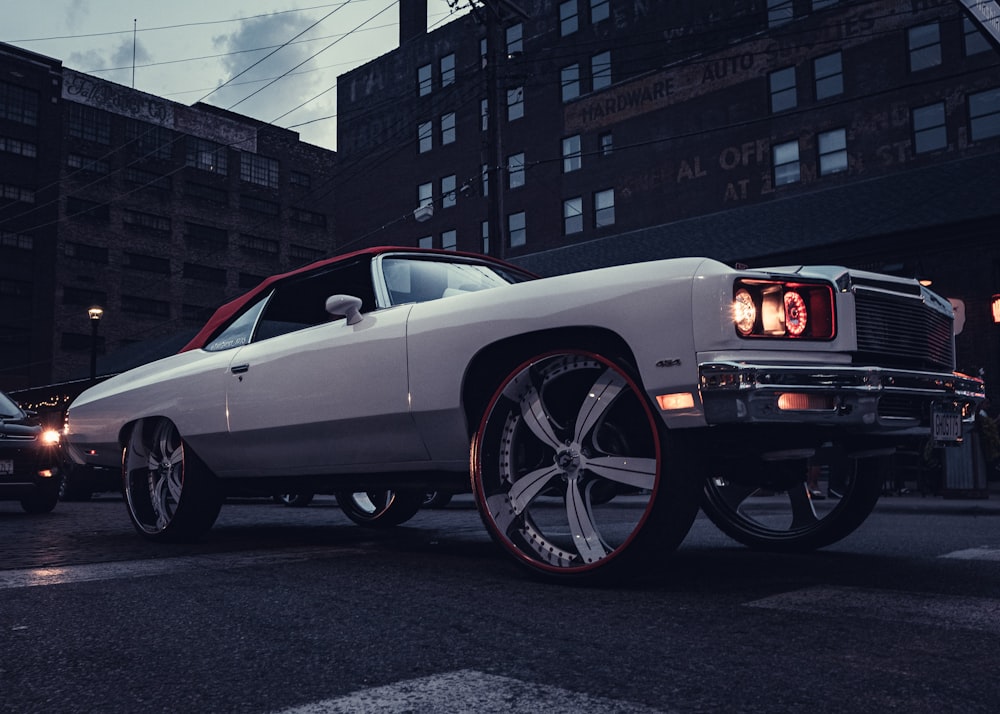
[{"x": 307, "y": 398}]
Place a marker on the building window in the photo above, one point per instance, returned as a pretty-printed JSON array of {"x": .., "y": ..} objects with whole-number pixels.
[
  {"x": 515, "y": 170},
  {"x": 485, "y": 175},
  {"x": 425, "y": 194},
  {"x": 304, "y": 253},
  {"x": 260, "y": 205},
  {"x": 19, "y": 241},
  {"x": 211, "y": 194},
  {"x": 604, "y": 208},
  {"x": 984, "y": 114},
  {"x": 607, "y": 143},
  {"x": 925, "y": 46},
  {"x": 929, "y": 130},
  {"x": 256, "y": 244},
  {"x": 600, "y": 68},
  {"x": 779, "y": 12},
  {"x": 829, "y": 74},
  {"x": 572, "y": 215},
  {"x": 145, "y": 306},
  {"x": 820, "y": 4},
  {"x": 832, "y": 152},
  {"x": 149, "y": 141},
  {"x": 975, "y": 41},
  {"x": 448, "y": 191},
  {"x": 449, "y": 240},
  {"x": 448, "y": 128},
  {"x": 425, "y": 242},
  {"x": 205, "y": 273},
  {"x": 425, "y": 80},
  {"x": 148, "y": 221},
  {"x": 310, "y": 218},
  {"x": 88, "y": 124},
  {"x": 515, "y": 41},
  {"x": 89, "y": 253},
  {"x": 260, "y": 170},
  {"x": 18, "y": 147},
  {"x": 786, "y": 163},
  {"x": 147, "y": 263},
  {"x": 19, "y": 104},
  {"x": 206, "y": 155},
  {"x": 158, "y": 183},
  {"x": 197, "y": 235},
  {"x": 569, "y": 18},
  {"x": 16, "y": 193},
  {"x": 448, "y": 70},
  {"x": 570, "y": 79},
  {"x": 484, "y": 53},
  {"x": 83, "y": 296},
  {"x": 85, "y": 163},
  {"x": 517, "y": 229},
  {"x": 572, "y": 156},
  {"x": 484, "y": 114},
  {"x": 783, "y": 94},
  {"x": 81, "y": 208},
  {"x": 425, "y": 136},
  {"x": 299, "y": 178},
  {"x": 484, "y": 233},
  {"x": 515, "y": 103},
  {"x": 599, "y": 10}
]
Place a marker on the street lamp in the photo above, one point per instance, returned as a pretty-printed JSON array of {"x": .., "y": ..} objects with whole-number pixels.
[
  {"x": 95, "y": 313},
  {"x": 995, "y": 305}
]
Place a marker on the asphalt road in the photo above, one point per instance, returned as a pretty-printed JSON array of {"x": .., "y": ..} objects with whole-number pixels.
[{"x": 284, "y": 609}]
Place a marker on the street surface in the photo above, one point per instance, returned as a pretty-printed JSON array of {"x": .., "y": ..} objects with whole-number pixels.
[{"x": 299, "y": 610}]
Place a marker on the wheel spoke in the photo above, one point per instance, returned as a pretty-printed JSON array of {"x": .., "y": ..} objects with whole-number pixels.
[
  {"x": 803, "y": 512},
  {"x": 537, "y": 419},
  {"x": 734, "y": 494},
  {"x": 158, "y": 490},
  {"x": 601, "y": 396},
  {"x": 525, "y": 489},
  {"x": 638, "y": 472},
  {"x": 586, "y": 538}
]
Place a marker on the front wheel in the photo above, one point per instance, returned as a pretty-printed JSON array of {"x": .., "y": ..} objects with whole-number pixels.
[
  {"x": 170, "y": 494},
  {"x": 380, "y": 509},
  {"x": 794, "y": 519},
  {"x": 574, "y": 474}
]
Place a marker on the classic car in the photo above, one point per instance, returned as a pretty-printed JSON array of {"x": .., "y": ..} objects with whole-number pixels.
[
  {"x": 29, "y": 459},
  {"x": 590, "y": 414}
]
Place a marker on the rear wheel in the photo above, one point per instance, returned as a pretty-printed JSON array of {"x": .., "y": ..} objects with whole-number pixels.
[
  {"x": 574, "y": 474},
  {"x": 380, "y": 509},
  {"x": 170, "y": 494},
  {"x": 295, "y": 500},
  {"x": 794, "y": 520}
]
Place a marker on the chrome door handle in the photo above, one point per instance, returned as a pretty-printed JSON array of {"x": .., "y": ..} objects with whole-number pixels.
[{"x": 240, "y": 368}]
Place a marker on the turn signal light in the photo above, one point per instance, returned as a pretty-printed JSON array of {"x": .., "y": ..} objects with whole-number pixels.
[
  {"x": 680, "y": 400},
  {"x": 802, "y": 402}
]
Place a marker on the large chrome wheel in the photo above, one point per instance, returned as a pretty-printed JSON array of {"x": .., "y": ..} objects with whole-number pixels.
[
  {"x": 573, "y": 473},
  {"x": 380, "y": 509},
  {"x": 795, "y": 518},
  {"x": 170, "y": 494}
]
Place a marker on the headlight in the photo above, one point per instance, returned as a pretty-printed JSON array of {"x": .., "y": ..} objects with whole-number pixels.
[
  {"x": 783, "y": 309},
  {"x": 50, "y": 437}
]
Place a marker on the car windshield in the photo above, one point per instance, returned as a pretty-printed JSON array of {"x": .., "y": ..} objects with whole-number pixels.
[
  {"x": 8, "y": 408},
  {"x": 420, "y": 280}
]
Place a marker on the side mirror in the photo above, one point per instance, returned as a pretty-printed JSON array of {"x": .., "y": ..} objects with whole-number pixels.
[{"x": 345, "y": 306}]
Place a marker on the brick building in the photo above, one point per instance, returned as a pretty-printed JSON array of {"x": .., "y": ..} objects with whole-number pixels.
[
  {"x": 155, "y": 211},
  {"x": 571, "y": 135}
]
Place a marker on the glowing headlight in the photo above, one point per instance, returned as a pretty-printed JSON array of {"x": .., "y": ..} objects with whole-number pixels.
[
  {"x": 50, "y": 437},
  {"x": 796, "y": 316},
  {"x": 744, "y": 312}
]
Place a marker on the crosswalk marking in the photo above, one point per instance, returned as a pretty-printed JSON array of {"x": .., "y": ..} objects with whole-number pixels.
[
  {"x": 58, "y": 575},
  {"x": 470, "y": 691},
  {"x": 950, "y": 611},
  {"x": 983, "y": 552}
]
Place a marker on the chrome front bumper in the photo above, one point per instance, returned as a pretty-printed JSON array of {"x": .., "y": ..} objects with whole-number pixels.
[{"x": 868, "y": 399}]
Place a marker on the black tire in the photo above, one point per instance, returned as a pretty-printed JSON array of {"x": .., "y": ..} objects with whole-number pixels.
[
  {"x": 380, "y": 509},
  {"x": 561, "y": 428},
  {"x": 42, "y": 501},
  {"x": 793, "y": 521},
  {"x": 294, "y": 500},
  {"x": 73, "y": 486},
  {"x": 170, "y": 494},
  {"x": 436, "y": 499}
]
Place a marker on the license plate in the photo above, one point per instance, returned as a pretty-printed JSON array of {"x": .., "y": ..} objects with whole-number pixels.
[
  {"x": 946, "y": 425},
  {"x": 6, "y": 466}
]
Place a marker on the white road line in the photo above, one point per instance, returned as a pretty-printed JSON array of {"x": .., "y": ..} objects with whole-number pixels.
[
  {"x": 983, "y": 552},
  {"x": 58, "y": 575},
  {"x": 470, "y": 691},
  {"x": 949, "y": 611}
]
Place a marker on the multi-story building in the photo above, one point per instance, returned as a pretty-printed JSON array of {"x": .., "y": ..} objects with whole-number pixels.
[
  {"x": 576, "y": 134},
  {"x": 154, "y": 211}
]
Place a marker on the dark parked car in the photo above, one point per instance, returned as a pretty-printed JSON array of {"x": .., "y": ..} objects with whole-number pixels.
[{"x": 29, "y": 459}]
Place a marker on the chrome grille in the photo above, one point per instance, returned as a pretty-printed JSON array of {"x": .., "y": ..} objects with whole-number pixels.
[{"x": 901, "y": 331}]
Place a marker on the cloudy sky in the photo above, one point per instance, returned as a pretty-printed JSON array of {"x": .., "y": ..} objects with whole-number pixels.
[{"x": 185, "y": 49}]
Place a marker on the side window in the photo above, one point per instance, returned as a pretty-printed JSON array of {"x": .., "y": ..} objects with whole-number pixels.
[
  {"x": 238, "y": 332},
  {"x": 301, "y": 302}
]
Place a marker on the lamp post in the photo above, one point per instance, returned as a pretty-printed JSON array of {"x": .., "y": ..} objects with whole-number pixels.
[{"x": 95, "y": 313}]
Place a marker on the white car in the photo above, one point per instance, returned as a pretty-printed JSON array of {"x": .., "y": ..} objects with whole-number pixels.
[{"x": 590, "y": 414}]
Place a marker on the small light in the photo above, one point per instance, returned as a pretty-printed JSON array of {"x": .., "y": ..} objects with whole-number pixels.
[
  {"x": 672, "y": 402},
  {"x": 995, "y": 304},
  {"x": 796, "y": 317},
  {"x": 744, "y": 312},
  {"x": 50, "y": 437},
  {"x": 95, "y": 313},
  {"x": 46, "y": 473},
  {"x": 802, "y": 402}
]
